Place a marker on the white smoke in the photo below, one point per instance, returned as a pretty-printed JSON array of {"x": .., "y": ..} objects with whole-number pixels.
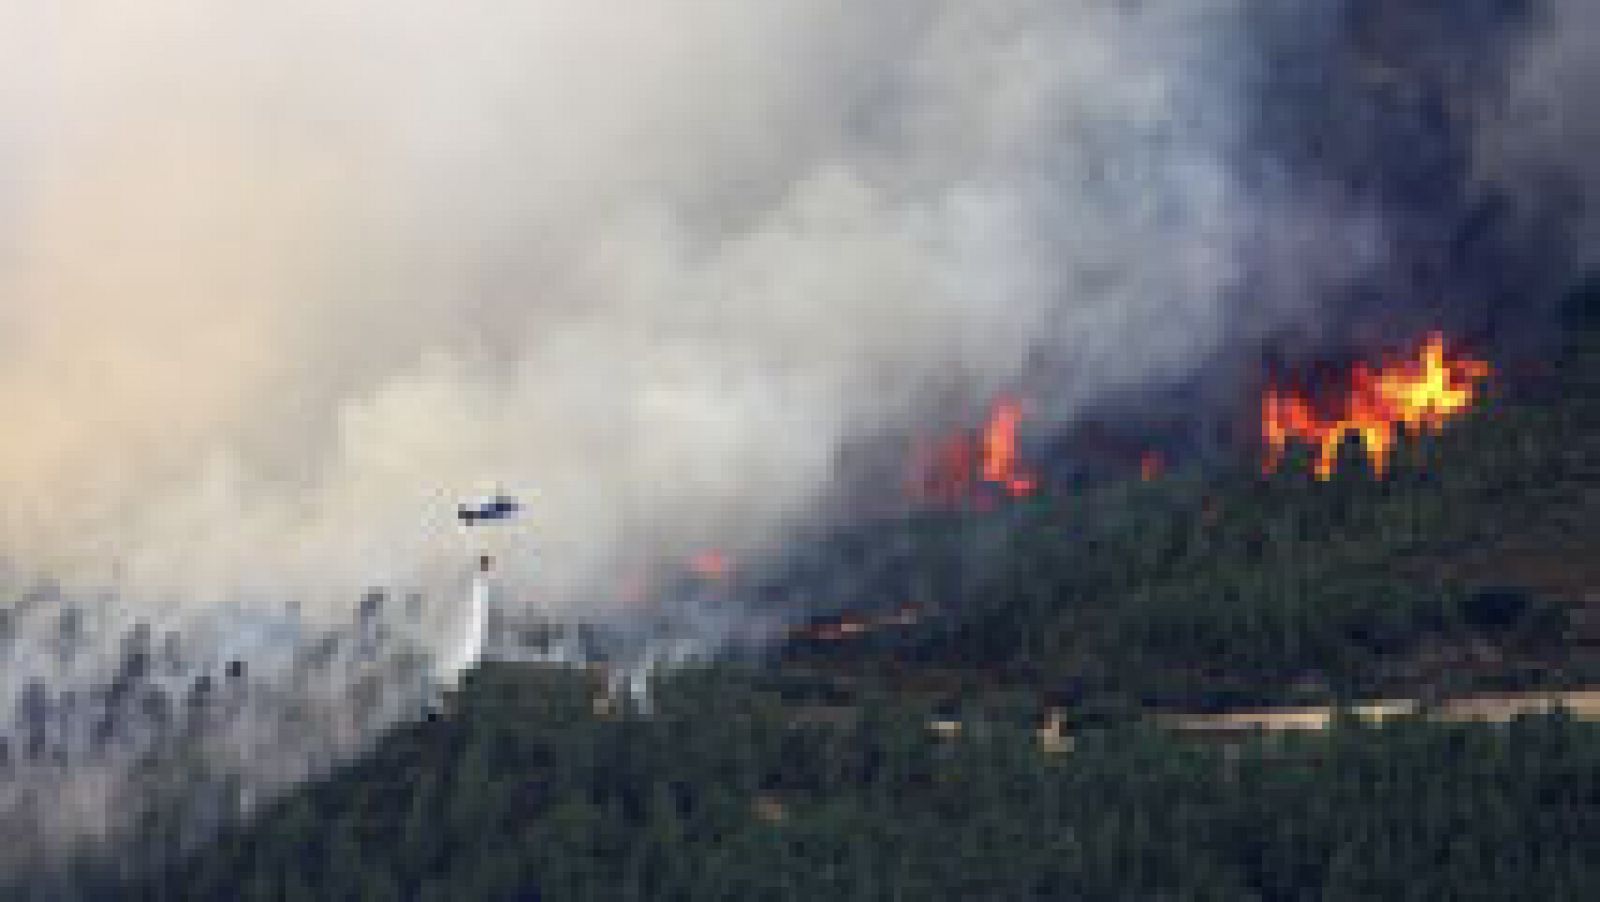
[{"x": 280, "y": 283}]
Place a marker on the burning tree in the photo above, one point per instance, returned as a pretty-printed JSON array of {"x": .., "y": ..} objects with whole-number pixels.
[
  {"x": 956, "y": 469},
  {"x": 1424, "y": 391}
]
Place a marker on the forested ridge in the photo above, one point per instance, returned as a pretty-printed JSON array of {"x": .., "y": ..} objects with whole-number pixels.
[
  {"x": 818, "y": 773},
  {"x": 1465, "y": 568},
  {"x": 721, "y": 795}
]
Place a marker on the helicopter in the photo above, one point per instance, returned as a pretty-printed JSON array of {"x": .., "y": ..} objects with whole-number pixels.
[{"x": 498, "y": 507}]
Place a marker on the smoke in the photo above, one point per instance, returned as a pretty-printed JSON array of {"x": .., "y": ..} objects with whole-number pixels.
[
  {"x": 1550, "y": 135},
  {"x": 280, "y": 283}
]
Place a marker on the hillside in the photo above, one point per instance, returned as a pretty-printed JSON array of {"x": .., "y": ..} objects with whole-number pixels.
[
  {"x": 816, "y": 774},
  {"x": 721, "y": 796},
  {"x": 1469, "y": 567}
]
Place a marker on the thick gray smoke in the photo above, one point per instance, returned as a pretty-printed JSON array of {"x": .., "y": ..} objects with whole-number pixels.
[
  {"x": 280, "y": 282},
  {"x": 1549, "y": 139}
]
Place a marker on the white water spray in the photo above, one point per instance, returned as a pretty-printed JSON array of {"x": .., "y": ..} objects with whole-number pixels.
[{"x": 468, "y": 649}]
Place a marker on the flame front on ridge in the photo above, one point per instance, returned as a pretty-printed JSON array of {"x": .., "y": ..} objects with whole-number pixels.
[{"x": 1422, "y": 392}]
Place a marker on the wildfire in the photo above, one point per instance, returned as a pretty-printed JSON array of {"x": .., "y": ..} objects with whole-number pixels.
[
  {"x": 1425, "y": 391},
  {"x": 850, "y": 624},
  {"x": 1151, "y": 466},
  {"x": 1000, "y": 466},
  {"x": 710, "y": 565},
  {"x": 950, "y": 470}
]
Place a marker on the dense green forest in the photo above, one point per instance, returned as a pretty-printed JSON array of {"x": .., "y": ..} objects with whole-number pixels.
[
  {"x": 721, "y": 795},
  {"x": 815, "y": 774}
]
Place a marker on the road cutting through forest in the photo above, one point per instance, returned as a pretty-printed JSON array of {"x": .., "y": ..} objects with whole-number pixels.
[{"x": 1583, "y": 704}]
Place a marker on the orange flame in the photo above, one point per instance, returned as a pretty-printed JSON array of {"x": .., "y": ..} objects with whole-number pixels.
[
  {"x": 710, "y": 564},
  {"x": 1151, "y": 466},
  {"x": 1000, "y": 466},
  {"x": 1425, "y": 391},
  {"x": 949, "y": 470},
  {"x": 852, "y": 623}
]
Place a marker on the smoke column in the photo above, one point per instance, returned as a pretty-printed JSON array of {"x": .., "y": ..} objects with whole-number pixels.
[{"x": 280, "y": 282}]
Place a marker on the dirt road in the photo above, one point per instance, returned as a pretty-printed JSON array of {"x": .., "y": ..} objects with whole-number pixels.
[{"x": 1499, "y": 708}]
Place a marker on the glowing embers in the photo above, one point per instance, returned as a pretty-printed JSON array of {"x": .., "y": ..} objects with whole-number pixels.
[
  {"x": 850, "y": 624},
  {"x": 1152, "y": 466},
  {"x": 1424, "y": 391},
  {"x": 971, "y": 465},
  {"x": 712, "y": 565}
]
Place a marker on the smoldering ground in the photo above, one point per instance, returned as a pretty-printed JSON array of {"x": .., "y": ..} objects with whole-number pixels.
[{"x": 279, "y": 284}]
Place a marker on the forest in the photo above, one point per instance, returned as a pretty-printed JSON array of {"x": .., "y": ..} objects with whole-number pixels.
[{"x": 722, "y": 794}]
